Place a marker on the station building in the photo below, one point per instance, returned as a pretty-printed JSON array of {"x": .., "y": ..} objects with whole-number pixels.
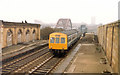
[{"x": 13, "y": 33}]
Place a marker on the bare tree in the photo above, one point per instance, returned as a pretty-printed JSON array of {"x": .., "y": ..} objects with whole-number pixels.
[{"x": 45, "y": 32}]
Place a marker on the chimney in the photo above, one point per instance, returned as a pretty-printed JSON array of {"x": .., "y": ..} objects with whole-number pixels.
[{"x": 25, "y": 21}]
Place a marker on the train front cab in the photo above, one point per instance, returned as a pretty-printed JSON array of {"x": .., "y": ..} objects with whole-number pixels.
[{"x": 58, "y": 43}]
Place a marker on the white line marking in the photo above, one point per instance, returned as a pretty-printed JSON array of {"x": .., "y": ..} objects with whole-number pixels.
[
  {"x": 88, "y": 44},
  {"x": 72, "y": 68}
]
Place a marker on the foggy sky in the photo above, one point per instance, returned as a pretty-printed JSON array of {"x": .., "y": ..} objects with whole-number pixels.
[{"x": 49, "y": 11}]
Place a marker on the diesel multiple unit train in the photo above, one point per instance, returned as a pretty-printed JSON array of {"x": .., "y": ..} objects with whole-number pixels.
[{"x": 59, "y": 42}]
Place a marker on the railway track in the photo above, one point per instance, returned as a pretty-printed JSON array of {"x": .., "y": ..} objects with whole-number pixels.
[
  {"x": 9, "y": 68},
  {"x": 17, "y": 54},
  {"x": 38, "y": 62},
  {"x": 47, "y": 66}
]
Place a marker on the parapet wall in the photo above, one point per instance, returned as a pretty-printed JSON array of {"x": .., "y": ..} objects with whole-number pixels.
[{"x": 109, "y": 39}]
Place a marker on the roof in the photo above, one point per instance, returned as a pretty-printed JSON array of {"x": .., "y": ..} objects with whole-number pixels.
[{"x": 69, "y": 32}]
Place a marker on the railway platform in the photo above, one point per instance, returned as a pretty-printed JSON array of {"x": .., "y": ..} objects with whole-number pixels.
[
  {"x": 89, "y": 60},
  {"x": 14, "y": 48},
  {"x": 20, "y": 48}
]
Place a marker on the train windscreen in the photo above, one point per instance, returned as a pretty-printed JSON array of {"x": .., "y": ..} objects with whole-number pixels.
[
  {"x": 57, "y": 40},
  {"x": 62, "y": 40},
  {"x": 52, "y": 40}
]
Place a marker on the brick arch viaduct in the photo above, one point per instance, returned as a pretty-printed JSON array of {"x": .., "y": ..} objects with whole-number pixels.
[{"x": 13, "y": 33}]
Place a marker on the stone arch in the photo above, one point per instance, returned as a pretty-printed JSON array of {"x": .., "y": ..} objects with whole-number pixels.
[
  {"x": 9, "y": 37},
  {"x": 19, "y": 36},
  {"x": 34, "y": 34},
  {"x": 27, "y": 35}
]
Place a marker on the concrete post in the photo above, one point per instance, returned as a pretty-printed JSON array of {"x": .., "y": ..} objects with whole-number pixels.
[
  {"x": 119, "y": 46},
  {"x": 4, "y": 42},
  {"x": 38, "y": 37},
  {"x": 31, "y": 37},
  {"x": 1, "y": 30},
  {"x": 23, "y": 35},
  {"x": 14, "y": 37}
]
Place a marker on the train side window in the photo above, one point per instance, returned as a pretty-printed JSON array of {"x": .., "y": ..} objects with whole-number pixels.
[
  {"x": 62, "y": 40},
  {"x": 57, "y": 40},
  {"x": 52, "y": 40}
]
